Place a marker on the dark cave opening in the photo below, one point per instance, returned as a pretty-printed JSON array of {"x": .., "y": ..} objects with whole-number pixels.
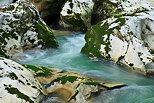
[
  {"x": 52, "y": 21},
  {"x": 14, "y": 1}
]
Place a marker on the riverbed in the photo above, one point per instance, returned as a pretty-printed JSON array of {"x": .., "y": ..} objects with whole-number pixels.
[{"x": 140, "y": 89}]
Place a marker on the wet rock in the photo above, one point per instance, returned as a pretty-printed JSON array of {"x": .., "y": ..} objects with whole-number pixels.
[
  {"x": 69, "y": 86},
  {"x": 22, "y": 28},
  {"x": 126, "y": 38},
  {"x": 76, "y": 14},
  {"x": 18, "y": 84}
]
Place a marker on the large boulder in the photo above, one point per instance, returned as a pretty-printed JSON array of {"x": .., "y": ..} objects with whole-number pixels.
[
  {"x": 126, "y": 39},
  {"x": 18, "y": 84},
  {"x": 21, "y": 27},
  {"x": 76, "y": 14},
  {"x": 104, "y": 9}
]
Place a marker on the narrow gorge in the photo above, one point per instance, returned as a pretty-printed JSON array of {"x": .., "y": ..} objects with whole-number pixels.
[{"x": 76, "y": 51}]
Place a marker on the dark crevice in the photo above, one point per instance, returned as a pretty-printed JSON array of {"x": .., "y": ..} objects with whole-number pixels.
[
  {"x": 14, "y": 1},
  {"x": 52, "y": 21},
  {"x": 52, "y": 14}
]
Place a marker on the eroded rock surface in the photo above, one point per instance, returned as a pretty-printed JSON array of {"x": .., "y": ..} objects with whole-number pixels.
[
  {"x": 104, "y": 9},
  {"x": 77, "y": 14},
  {"x": 69, "y": 86},
  {"x": 18, "y": 84},
  {"x": 39, "y": 84},
  {"x": 126, "y": 38},
  {"x": 22, "y": 28}
]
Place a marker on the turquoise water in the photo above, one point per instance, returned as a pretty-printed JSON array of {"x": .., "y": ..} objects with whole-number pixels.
[{"x": 140, "y": 89}]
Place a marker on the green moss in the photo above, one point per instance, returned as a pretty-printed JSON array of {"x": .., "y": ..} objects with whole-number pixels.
[
  {"x": 3, "y": 37},
  {"x": 39, "y": 70},
  {"x": 94, "y": 39},
  {"x": 100, "y": 35},
  {"x": 69, "y": 11},
  {"x": 120, "y": 58},
  {"x": 19, "y": 28},
  {"x": 75, "y": 20},
  {"x": 91, "y": 83},
  {"x": 19, "y": 8},
  {"x": 15, "y": 91},
  {"x": 74, "y": 96},
  {"x": 71, "y": 5},
  {"x": 13, "y": 76},
  {"x": 64, "y": 79},
  {"x": 46, "y": 35},
  {"x": 120, "y": 19}
]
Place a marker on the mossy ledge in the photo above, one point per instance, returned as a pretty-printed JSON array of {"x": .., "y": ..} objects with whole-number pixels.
[{"x": 69, "y": 84}]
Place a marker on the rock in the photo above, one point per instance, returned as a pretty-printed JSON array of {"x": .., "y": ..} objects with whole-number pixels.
[
  {"x": 126, "y": 39},
  {"x": 69, "y": 86},
  {"x": 22, "y": 28},
  {"x": 108, "y": 8},
  {"x": 48, "y": 7},
  {"x": 104, "y": 9},
  {"x": 18, "y": 85},
  {"x": 76, "y": 14}
]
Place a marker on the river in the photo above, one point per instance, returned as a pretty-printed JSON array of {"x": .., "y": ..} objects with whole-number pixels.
[{"x": 140, "y": 89}]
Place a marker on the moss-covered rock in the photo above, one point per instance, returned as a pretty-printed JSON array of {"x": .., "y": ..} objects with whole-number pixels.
[
  {"x": 34, "y": 84},
  {"x": 18, "y": 85},
  {"x": 41, "y": 70},
  {"x": 21, "y": 27},
  {"x": 76, "y": 14},
  {"x": 69, "y": 86},
  {"x": 126, "y": 39},
  {"x": 104, "y": 9}
]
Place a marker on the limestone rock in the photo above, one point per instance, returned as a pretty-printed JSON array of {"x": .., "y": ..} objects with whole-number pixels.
[
  {"x": 18, "y": 85},
  {"x": 21, "y": 28},
  {"x": 133, "y": 6},
  {"x": 76, "y": 14},
  {"x": 104, "y": 9},
  {"x": 126, "y": 39},
  {"x": 69, "y": 86}
]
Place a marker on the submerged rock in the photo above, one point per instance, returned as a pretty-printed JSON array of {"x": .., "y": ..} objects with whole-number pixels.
[
  {"x": 22, "y": 28},
  {"x": 18, "y": 84},
  {"x": 126, "y": 39},
  {"x": 76, "y": 14},
  {"x": 69, "y": 86}
]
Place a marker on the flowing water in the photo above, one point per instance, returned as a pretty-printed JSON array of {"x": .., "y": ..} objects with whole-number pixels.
[{"x": 140, "y": 89}]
